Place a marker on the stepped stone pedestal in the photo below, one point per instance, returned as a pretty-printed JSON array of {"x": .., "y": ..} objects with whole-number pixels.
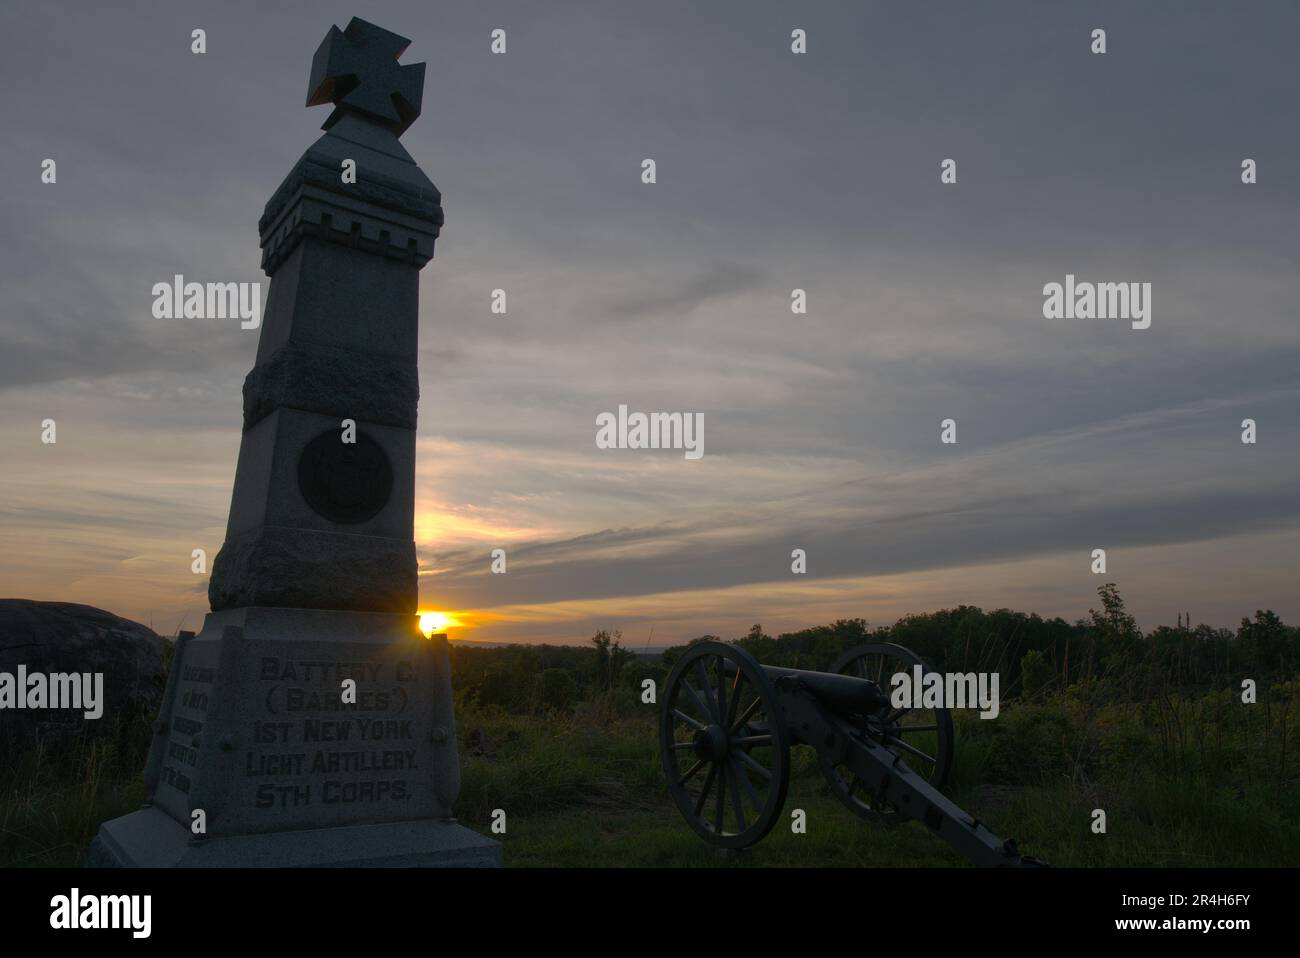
[{"x": 310, "y": 723}]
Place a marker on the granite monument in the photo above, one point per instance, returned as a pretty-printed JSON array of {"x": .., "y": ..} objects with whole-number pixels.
[{"x": 310, "y": 722}]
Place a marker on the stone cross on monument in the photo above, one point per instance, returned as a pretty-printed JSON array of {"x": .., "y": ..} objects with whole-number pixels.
[{"x": 309, "y": 722}]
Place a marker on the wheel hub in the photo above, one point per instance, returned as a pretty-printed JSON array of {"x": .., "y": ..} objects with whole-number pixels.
[{"x": 710, "y": 743}]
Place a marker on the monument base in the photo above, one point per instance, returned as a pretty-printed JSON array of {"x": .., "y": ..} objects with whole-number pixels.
[{"x": 150, "y": 838}]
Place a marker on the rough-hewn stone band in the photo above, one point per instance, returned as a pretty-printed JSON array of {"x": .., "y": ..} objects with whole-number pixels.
[
  {"x": 309, "y": 569},
  {"x": 334, "y": 382}
]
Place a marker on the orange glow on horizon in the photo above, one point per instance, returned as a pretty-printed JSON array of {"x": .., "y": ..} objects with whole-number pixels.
[{"x": 431, "y": 622}]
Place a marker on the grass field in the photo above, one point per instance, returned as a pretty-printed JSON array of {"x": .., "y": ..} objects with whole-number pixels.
[
  {"x": 585, "y": 788},
  {"x": 589, "y": 791}
]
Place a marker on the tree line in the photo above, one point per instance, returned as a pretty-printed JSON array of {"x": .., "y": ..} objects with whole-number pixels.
[{"x": 1104, "y": 652}]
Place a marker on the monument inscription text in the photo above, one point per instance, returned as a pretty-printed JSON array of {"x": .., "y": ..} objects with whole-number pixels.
[{"x": 330, "y": 733}]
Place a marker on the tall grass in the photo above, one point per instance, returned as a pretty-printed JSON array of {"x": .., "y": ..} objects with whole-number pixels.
[
  {"x": 54, "y": 796},
  {"x": 1184, "y": 779}
]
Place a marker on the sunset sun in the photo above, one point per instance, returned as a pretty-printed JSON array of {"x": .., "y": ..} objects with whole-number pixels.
[{"x": 431, "y": 622}]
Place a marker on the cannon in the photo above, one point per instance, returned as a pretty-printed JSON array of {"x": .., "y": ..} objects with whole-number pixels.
[{"x": 727, "y": 724}]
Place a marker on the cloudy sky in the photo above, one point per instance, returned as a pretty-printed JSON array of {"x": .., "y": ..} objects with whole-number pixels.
[{"x": 775, "y": 171}]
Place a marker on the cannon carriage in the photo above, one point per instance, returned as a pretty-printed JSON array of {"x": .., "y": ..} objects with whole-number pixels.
[{"x": 727, "y": 724}]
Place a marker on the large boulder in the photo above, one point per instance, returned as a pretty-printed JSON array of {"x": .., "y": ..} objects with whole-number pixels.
[{"x": 51, "y": 637}]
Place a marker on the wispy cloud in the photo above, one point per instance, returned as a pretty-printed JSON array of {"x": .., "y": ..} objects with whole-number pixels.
[{"x": 666, "y": 297}]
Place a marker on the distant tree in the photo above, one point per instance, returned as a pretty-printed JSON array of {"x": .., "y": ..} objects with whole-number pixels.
[
  {"x": 1267, "y": 644},
  {"x": 1112, "y": 637},
  {"x": 1036, "y": 673},
  {"x": 1113, "y": 621},
  {"x": 611, "y": 658}
]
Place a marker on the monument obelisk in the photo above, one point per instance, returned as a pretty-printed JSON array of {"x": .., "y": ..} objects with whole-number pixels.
[{"x": 310, "y": 723}]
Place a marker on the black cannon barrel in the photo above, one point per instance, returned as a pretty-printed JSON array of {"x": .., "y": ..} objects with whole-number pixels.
[{"x": 842, "y": 694}]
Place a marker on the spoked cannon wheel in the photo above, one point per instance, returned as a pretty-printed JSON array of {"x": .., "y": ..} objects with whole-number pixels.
[
  {"x": 923, "y": 737},
  {"x": 724, "y": 745}
]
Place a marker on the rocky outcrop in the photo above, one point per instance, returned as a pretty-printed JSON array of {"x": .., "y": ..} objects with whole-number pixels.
[{"x": 63, "y": 637}]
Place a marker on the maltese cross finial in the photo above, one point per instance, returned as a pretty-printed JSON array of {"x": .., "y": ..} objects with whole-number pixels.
[{"x": 357, "y": 70}]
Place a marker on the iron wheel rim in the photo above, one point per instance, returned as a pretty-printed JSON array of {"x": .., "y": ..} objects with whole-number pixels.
[
  {"x": 724, "y": 746},
  {"x": 889, "y": 728}
]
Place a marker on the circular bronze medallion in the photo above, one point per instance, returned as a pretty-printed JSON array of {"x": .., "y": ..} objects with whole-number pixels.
[{"x": 345, "y": 482}]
